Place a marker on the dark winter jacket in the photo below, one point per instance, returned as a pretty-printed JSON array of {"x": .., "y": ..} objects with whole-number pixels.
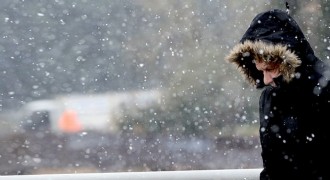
[{"x": 294, "y": 134}]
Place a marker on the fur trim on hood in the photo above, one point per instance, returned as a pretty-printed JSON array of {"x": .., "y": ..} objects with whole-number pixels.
[{"x": 244, "y": 55}]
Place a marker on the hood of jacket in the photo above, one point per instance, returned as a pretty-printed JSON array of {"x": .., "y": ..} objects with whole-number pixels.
[{"x": 273, "y": 36}]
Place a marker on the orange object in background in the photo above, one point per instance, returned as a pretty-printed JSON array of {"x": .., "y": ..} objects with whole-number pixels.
[{"x": 69, "y": 122}]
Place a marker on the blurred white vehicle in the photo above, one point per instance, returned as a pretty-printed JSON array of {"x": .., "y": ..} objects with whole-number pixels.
[{"x": 78, "y": 113}]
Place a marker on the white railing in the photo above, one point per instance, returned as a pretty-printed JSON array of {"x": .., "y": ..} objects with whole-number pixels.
[{"x": 226, "y": 174}]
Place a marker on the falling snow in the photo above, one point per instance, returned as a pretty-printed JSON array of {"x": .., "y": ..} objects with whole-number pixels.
[{"x": 108, "y": 86}]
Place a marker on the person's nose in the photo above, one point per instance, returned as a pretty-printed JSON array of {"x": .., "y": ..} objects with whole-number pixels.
[{"x": 268, "y": 79}]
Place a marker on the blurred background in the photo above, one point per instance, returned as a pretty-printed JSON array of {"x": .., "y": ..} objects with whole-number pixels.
[{"x": 132, "y": 85}]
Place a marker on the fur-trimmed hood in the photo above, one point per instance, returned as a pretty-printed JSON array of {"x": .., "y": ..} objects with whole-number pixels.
[
  {"x": 243, "y": 55},
  {"x": 275, "y": 36}
]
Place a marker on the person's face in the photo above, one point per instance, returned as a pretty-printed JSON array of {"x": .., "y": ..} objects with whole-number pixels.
[{"x": 270, "y": 72}]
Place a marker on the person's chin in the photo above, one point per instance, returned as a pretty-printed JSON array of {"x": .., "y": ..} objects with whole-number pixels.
[{"x": 273, "y": 84}]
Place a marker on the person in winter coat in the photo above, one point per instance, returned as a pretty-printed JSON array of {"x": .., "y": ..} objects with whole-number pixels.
[{"x": 294, "y": 105}]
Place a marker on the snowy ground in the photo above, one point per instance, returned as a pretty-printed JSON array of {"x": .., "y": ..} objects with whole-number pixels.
[{"x": 92, "y": 152}]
